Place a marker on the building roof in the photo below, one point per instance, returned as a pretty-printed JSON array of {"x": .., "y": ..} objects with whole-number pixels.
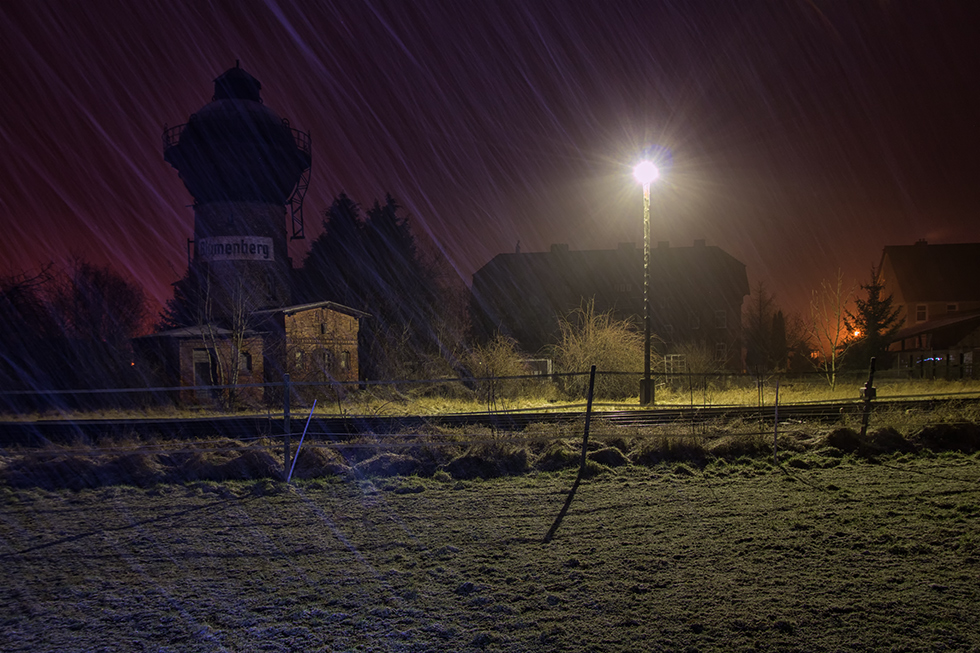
[
  {"x": 197, "y": 331},
  {"x": 299, "y": 308},
  {"x": 946, "y": 332},
  {"x": 705, "y": 268},
  {"x": 924, "y": 272}
]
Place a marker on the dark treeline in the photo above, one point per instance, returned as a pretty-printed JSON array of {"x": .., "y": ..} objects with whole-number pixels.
[{"x": 68, "y": 328}]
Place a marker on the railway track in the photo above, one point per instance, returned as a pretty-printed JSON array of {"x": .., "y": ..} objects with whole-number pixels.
[{"x": 42, "y": 432}]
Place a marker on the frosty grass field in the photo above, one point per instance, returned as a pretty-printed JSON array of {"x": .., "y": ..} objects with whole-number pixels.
[{"x": 829, "y": 551}]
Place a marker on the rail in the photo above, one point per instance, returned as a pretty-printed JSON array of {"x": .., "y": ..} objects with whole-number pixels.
[{"x": 171, "y": 137}]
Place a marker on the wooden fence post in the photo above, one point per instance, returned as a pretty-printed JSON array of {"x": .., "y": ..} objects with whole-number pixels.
[
  {"x": 869, "y": 393},
  {"x": 582, "y": 465}
]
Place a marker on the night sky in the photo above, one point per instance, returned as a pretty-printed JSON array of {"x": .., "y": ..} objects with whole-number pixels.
[{"x": 805, "y": 135}]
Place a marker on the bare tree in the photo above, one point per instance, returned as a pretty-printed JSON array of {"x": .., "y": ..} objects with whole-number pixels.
[{"x": 828, "y": 325}]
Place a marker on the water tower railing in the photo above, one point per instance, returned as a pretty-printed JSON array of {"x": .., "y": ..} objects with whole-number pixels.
[
  {"x": 171, "y": 135},
  {"x": 302, "y": 140}
]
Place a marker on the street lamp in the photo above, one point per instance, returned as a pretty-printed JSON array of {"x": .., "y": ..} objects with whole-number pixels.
[{"x": 646, "y": 172}]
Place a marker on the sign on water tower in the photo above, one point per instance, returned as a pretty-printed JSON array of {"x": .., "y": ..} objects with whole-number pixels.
[{"x": 235, "y": 248}]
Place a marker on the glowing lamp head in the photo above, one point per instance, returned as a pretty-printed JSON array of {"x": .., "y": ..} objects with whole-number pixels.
[{"x": 645, "y": 172}]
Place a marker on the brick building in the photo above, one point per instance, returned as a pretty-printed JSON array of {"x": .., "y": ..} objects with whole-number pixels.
[{"x": 314, "y": 343}]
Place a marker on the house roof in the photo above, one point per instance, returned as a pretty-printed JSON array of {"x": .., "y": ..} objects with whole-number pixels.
[
  {"x": 299, "y": 308},
  {"x": 945, "y": 333},
  {"x": 197, "y": 331},
  {"x": 701, "y": 268},
  {"x": 924, "y": 272}
]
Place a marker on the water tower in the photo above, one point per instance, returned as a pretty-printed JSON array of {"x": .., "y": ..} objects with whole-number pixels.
[{"x": 243, "y": 164}]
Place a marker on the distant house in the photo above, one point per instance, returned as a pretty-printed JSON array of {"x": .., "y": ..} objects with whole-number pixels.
[
  {"x": 696, "y": 296},
  {"x": 938, "y": 289},
  {"x": 314, "y": 343}
]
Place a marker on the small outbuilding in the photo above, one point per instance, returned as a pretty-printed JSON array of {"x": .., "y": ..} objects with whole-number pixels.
[{"x": 314, "y": 343}]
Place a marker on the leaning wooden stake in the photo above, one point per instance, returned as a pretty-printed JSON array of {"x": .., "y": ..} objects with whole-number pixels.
[
  {"x": 581, "y": 468},
  {"x": 285, "y": 422},
  {"x": 300, "y": 445}
]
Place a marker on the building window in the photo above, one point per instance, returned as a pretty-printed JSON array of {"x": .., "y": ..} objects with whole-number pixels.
[
  {"x": 721, "y": 351},
  {"x": 921, "y": 313},
  {"x": 675, "y": 363},
  {"x": 668, "y": 330},
  {"x": 695, "y": 321},
  {"x": 345, "y": 360},
  {"x": 323, "y": 329},
  {"x": 952, "y": 308},
  {"x": 721, "y": 320},
  {"x": 624, "y": 287},
  {"x": 245, "y": 361}
]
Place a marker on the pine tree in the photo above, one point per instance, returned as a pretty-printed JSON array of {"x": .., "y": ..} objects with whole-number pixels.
[
  {"x": 875, "y": 321},
  {"x": 338, "y": 266},
  {"x": 759, "y": 316},
  {"x": 376, "y": 265}
]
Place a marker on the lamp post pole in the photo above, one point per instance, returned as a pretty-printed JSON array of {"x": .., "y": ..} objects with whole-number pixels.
[
  {"x": 645, "y": 172},
  {"x": 646, "y": 391}
]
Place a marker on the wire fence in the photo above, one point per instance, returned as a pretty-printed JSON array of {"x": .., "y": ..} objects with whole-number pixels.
[{"x": 462, "y": 395}]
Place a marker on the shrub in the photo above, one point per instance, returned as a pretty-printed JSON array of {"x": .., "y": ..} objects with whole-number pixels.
[
  {"x": 496, "y": 364},
  {"x": 489, "y": 461},
  {"x": 663, "y": 449},
  {"x": 615, "y": 347},
  {"x": 388, "y": 464},
  {"x": 557, "y": 455},
  {"x": 314, "y": 462},
  {"x": 738, "y": 445},
  {"x": 609, "y": 456},
  {"x": 963, "y": 437}
]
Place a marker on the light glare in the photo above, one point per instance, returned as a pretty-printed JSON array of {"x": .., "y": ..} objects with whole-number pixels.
[{"x": 645, "y": 172}]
